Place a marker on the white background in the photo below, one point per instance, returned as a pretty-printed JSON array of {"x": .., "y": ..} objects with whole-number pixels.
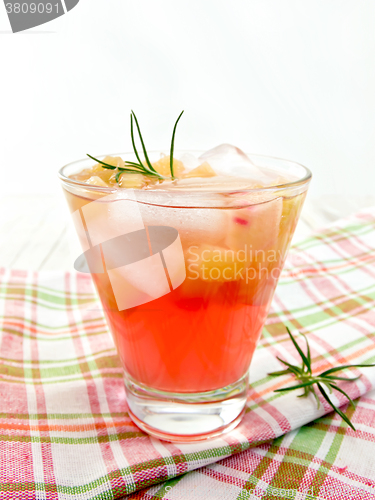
[{"x": 288, "y": 78}]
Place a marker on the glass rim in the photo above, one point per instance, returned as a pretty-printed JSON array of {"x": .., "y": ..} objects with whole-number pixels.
[{"x": 109, "y": 189}]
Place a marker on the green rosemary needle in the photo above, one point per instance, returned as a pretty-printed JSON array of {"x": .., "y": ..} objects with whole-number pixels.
[
  {"x": 150, "y": 167},
  {"x": 307, "y": 380},
  {"x": 139, "y": 167},
  {"x": 172, "y": 146}
]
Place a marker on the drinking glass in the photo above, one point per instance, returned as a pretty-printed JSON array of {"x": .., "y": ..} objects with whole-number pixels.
[{"x": 186, "y": 278}]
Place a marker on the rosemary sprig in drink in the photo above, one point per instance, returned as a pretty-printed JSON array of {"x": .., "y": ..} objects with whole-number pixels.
[
  {"x": 307, "y": 380},
  {"x": 139, "y": 167}
]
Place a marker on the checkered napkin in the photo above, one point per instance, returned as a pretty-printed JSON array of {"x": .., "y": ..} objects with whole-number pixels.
[{"x": 64, "y": 428}]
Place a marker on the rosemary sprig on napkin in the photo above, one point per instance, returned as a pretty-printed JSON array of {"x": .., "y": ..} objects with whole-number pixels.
[
  {"x": 144, "y": 168},
  {"x": 306, "y": 379}
]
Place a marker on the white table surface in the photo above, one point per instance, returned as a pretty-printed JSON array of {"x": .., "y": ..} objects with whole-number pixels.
[{"x": 36, "y": 232}]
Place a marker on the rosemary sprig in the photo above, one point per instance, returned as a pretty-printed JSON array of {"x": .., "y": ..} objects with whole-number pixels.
[
  {"x": 139, "y": 167},
  {"x": 135, "y": 167},
  {"x": 306, "y": 379}
]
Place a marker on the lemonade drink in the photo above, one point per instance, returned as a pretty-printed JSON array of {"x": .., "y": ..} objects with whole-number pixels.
[{"x": 201, "y": 336}]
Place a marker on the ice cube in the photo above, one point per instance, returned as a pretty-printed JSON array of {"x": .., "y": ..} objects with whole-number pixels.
[
  {"x": 203, "y": 170},
  {"x": 219, "y": 155},
  {"x": 147, "y": 280},
  {"x": 256, "y": 226},
  {"x": 194, "y": 225},
  {"x": 228, "y": 159},
  {"x": 112, "y": 216},
  {"x": 189, "y": 160}
]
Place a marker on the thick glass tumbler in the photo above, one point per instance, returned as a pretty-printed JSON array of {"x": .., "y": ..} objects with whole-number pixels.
[{"x": 186, "y": 278}]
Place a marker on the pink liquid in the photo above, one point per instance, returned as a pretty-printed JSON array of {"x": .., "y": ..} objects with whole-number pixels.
[{"x": 203, "y": 334}]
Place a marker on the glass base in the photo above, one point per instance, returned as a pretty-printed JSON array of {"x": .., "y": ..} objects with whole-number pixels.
[{"x": 186, "y": 417}]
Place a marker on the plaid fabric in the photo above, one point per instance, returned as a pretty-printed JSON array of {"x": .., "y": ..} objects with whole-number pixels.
[
  {"x": 321, "y": 460},
  {"x": 65, "y": 432}
]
